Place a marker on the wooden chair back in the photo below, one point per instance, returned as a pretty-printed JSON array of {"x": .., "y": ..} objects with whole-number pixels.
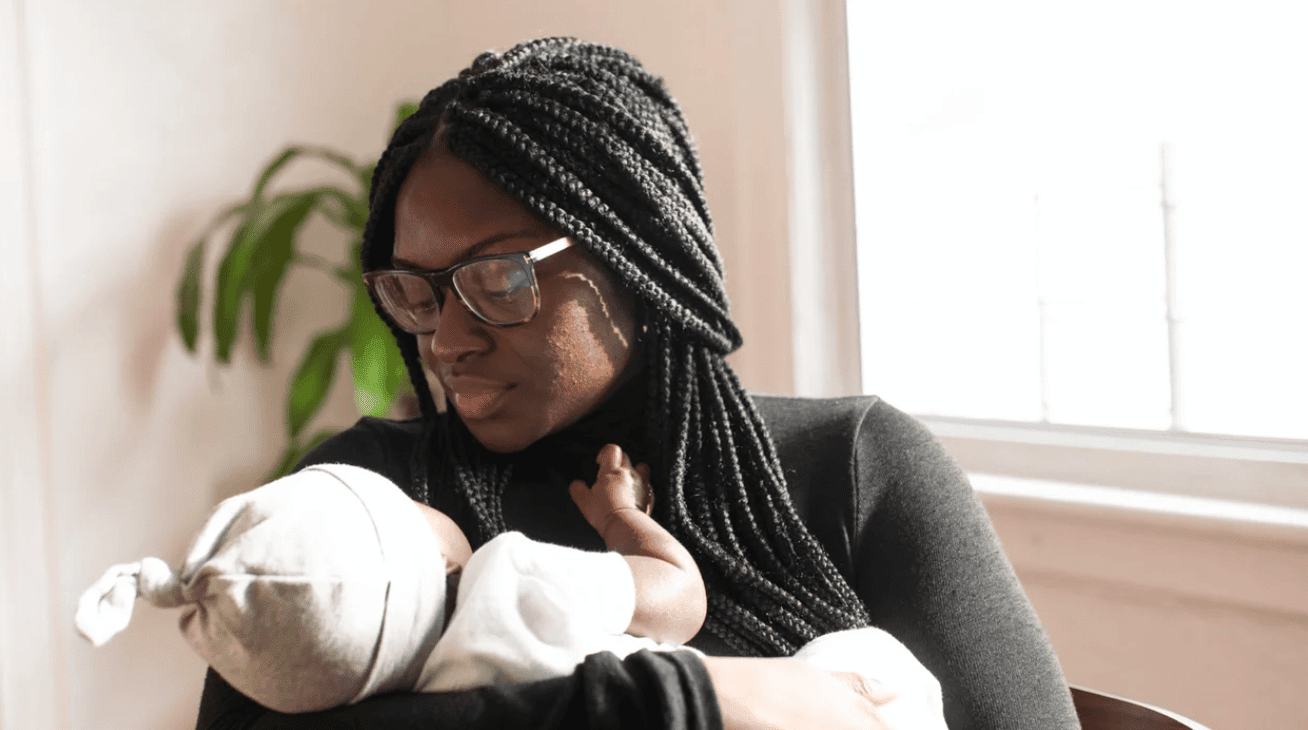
[{"x": 1102, "y": 711}]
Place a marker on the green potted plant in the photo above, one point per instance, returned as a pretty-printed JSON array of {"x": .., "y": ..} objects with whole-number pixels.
[{"x": 262, "y": 248}]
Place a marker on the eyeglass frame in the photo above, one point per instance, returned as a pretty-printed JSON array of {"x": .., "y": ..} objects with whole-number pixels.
[{"x": 443, "y": 278}]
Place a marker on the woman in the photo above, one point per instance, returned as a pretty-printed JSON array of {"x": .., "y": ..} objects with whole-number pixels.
[{"x": 554, "y": 192}]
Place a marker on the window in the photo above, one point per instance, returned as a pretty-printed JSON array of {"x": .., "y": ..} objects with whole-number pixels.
[{"x": 1088, "y": 214}]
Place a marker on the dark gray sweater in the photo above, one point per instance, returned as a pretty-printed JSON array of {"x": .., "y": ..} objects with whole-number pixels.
[{"x": 898, "y": 518}]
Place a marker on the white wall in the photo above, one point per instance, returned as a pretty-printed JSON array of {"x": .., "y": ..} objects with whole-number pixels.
[{"x": 123, "y": 128}]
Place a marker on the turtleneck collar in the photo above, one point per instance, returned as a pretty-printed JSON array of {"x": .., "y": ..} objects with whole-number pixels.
[{"x": 570, "y": 453}]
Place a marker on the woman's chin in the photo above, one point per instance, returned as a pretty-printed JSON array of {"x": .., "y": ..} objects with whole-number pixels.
[{"x": 501, "y": 436}]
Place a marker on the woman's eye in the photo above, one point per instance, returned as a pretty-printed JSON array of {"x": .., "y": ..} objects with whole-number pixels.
[
  {"x": 502, "y": 293},
  {"x": 426, "y": 300},
  {"x": 415, "y": 294},
  {"x": 500, "y": 280}
]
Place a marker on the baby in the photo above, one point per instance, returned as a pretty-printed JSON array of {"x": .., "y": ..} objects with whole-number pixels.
[{"x": 329, "y": 586}]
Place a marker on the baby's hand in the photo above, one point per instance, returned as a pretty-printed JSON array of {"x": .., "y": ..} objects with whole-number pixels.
[{"x": 618, "y": 486}]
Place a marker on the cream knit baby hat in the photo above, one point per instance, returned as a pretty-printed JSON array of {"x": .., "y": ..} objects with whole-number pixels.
[{"x": 313, "y": 591}]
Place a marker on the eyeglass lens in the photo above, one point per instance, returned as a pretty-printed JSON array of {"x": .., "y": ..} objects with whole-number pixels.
[{"x": 497, "y": 290}]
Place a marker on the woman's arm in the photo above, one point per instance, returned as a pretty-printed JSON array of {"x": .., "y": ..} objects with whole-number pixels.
[
  {"x": 654, "y": 690},
  {"x": 787, "y": 694},
  {"x": 932, "y": 572},
  {"x": 901, "y": 522}
]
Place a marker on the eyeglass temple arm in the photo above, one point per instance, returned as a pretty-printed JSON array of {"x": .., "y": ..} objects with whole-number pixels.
[{"x": 549, "y": 249}]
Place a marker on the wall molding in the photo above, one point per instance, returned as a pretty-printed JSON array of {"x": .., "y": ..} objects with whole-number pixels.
[{"x": 1254, "y": 558}]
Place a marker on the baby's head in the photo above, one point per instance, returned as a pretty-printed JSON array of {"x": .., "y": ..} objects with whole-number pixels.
[
  {"x": 313, "y": 591},
  {"x": 454, "y": 544}
]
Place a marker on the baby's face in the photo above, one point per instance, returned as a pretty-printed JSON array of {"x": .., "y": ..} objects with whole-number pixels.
[{"x": 454, "y": 544}]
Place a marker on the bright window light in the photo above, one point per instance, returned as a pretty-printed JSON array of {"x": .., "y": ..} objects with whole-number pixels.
[{"x": 1085, "y": 213}]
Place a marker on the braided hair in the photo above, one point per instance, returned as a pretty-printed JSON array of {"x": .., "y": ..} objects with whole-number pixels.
[{"x": 590, "y": 142}]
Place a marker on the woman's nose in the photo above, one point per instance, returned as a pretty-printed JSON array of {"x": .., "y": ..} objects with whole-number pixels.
[{"x": 458, "y": 333}]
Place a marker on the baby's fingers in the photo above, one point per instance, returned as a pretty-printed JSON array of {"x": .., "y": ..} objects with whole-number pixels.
[
  {"x": 578, "y": 491},
  {"x": 610, "y": 457}
]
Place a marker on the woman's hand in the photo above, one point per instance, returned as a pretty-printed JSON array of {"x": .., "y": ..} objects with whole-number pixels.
[{"x": 788, "y": 694}]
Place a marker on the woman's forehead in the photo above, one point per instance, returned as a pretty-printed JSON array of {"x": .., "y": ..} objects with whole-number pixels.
[{"x": 446, "y": 207}]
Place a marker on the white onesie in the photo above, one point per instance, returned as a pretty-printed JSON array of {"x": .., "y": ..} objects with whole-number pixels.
[{"x": 528, "y": 610}]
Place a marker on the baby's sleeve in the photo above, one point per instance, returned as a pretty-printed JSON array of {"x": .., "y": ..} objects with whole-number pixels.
[{"x": 528, "y": 610}]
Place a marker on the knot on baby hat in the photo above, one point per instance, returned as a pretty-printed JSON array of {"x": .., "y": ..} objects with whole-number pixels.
[
  {"x": 310, "y": 592},
  {"x": 106, "y": 607}
]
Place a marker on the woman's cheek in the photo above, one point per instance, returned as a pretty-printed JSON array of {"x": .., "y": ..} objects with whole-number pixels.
[{"x": 582, "y": 367}]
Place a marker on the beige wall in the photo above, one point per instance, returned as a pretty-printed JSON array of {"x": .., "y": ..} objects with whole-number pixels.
[
  {"x": 123, "y": 128},
  {"x": 1203, "y": 616}
]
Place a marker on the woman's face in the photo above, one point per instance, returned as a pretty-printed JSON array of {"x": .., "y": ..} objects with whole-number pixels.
[{"x": 510, "y": 385}]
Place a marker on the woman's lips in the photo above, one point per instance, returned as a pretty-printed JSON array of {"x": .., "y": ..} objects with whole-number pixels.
[{"x": 475, "y": 397}]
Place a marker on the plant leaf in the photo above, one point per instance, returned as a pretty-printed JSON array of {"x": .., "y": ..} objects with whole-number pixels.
[
  {"x": 273, "y": 250},
  {"x": 338, "y": 213},
  {"x": 238, "y": 272},
  {"x": 292, "y": 152},
  {"x": 404, "y": 111},
  {"x": 353, "y": 213},
  {"x": 295, "y": 453},
  {"x": 375, "y": 359},
  {"x": 358, "y": 218},
  {"x": 333, "y": 156},
  {"x": 188, "y": 296},
  {"x": 288, "y": 154},
  {"x": 189, "y": 288},
  {"x": 229, "y": 291},
  {"x": 312, "y": 380}
]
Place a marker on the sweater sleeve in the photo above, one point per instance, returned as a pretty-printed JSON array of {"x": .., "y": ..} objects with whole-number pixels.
[
  {"x": 930, "y": 568},
  {"x": 653, "y": 690},
  {"x": 646, "y": 690}
]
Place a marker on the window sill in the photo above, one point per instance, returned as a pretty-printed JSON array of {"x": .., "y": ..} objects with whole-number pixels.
[
  {"x": 1253, "y": 472},
  {"x": 1195, "y": 514}
]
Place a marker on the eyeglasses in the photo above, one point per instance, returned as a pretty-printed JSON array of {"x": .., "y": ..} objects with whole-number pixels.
[{"x": 499, "y": 290}]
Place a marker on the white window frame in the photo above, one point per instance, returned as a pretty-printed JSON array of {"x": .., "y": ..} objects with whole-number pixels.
[{"x": 1036, "y": 459}]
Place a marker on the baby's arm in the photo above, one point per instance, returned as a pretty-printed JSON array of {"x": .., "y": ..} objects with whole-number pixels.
[{"x": 670, "y": 599}]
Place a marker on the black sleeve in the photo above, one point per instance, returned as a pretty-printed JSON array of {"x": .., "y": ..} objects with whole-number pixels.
[
  {"x": 662, "y": 690},
  {"x": 654, "y": 690},
  {"x": 932, "y": 572}
]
